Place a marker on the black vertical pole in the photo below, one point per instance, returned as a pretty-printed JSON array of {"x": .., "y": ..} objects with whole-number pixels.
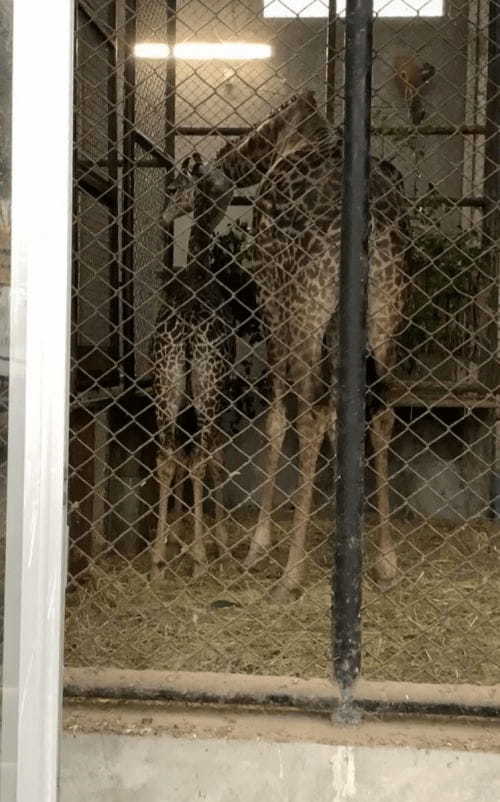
[
  {"x": 170, "y": 90},
  {"x": 112, "y": 88},
  {"x": 351, "y": 355},
  {"x": 128, "y": 194},
  {"x": 491, "y": 224},
  {"x": 75, "y": 240},
  {"x": 331, "y": 60},
  {"x": 492, "y": 144}
]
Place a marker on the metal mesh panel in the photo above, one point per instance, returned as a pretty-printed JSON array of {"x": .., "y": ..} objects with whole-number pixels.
[
  {"x": 94, "y": 293},
  {"x": 222, "y": 344},
  {"x": 91, "y": 97},
  {"x": 149, "y": 244}
]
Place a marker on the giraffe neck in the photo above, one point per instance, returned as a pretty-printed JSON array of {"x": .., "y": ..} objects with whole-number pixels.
[
  {"x": 200, "y": 240},
  {"x": 247, "y": 161}
]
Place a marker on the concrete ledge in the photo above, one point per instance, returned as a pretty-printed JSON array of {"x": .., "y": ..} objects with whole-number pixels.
[
  {"x": 107, "y": 768},
  {"x": 210, "y": 722}
]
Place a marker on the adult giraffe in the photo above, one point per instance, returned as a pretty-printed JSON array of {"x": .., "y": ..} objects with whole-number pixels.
[{"x": 296, "y": 159}]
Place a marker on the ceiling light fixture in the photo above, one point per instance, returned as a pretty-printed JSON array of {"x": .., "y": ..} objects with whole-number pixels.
[
  {"x": 151, "y": 50},
  {"x": 203, "y": 51}
]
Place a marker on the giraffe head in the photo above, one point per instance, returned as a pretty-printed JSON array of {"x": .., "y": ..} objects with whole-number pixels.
[
  {"x": 200, "y": 188},
  {"x": 249, "y": 158},
  {"x": 293, "y": 121}
]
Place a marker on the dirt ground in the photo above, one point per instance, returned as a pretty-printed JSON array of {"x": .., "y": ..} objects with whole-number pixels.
[
  {"x": 439, "y": 623},
  {"x": 190, "y": 721}
]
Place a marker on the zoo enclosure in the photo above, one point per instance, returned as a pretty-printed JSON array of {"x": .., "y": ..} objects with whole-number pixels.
[{"x": 435, "y": 115}]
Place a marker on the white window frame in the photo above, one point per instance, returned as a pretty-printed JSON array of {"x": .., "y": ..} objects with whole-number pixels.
[{"x": 38, "y": 402}]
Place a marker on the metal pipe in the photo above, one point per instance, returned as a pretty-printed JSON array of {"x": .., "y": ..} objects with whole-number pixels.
[
  {"x": 400, "y": 130},
  {"x": 147, "y": 144},
  {"x": 314, "y": 695},
  {"x": 427, "y": 130},
  {"x": 491, "y": 220},
  {"x": 112, "y": 98},
  {"x": 94, "y": 22},
  {"x": 331, "y": 61},
  {"x": 352, "y": 344},
  {"x": 170, "y": 98},
  {"x": 128, "y": 194},
  {"x": 100, "y": 188}
]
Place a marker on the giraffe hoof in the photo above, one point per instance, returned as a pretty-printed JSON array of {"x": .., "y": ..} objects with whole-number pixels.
[
  {"x": 199, "y": 570},
  {"x": 284, "y": 595},
  {"x": 386, "y": 575},
  {"x": 386, "y": 572},
  {"x": 252, "y": 559},
  {"x": 156, "y": 574},
  {"x": 385, "y": 585}
]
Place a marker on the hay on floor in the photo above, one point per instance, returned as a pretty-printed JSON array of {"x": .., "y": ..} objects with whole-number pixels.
[{"x": 440, "y": 623}]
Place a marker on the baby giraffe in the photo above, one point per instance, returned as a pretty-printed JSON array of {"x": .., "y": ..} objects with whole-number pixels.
[{"x": 192, "y": 355}]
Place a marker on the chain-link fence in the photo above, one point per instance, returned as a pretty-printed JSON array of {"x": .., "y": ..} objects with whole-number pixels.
[{"x": 204, "y": 343}]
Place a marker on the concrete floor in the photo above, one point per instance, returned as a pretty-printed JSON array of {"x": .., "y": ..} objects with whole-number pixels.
[{"x": 125, "y": 768}]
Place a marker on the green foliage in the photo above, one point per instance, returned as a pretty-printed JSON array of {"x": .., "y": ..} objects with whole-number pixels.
[{"x": 449, "y": 274}]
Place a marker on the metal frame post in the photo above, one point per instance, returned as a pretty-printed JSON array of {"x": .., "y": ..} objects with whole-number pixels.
[
  {"x": 331, "y": 61},
  {"x": 170, "y": 98},
  {"x": 352, "y": 345},
  {"x": 491, "y": 218},
  {"x": 128, "y": 198},
  {"x": 38, "y": 403}
]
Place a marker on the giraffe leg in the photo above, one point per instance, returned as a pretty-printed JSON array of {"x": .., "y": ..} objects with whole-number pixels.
[
  {"x": 275, "y": 433},
  {"x": 179, "y": 486},
  {"x": 386, "y": 564},
  {"x": 208, "y": 376},
  {"x": 165, "y": 472},
  {"x": 198, "y": 551},
  {"x": 311, "y": 429},
  {"x": 169, "y": 380},
  {"x": 217, "y": 471}
]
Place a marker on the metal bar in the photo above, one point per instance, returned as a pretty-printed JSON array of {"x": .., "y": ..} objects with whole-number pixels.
[
  {"x": 75, "y": 240},
  {"x": 106, "y": 163},
  {"x": 203, "y": 130},
  {"x": 352, "y": 342},
  {"x": 128, "y": 190},
  {"x": 314, "y": 695},
  {"x": 491, "y": 218},
  {"x": 112, "y": 88},
  {"x": 397, "y": 396},
  {"x": 331, "y": 61},
  {"x": 242, "y": 200},
  {"x": 38, "y": 403},
  {"x": 147, "y": 144},
  {"x": 473, "y": 202},
  {"x": 428, "y": 130},
  {"x": 402, "y": 130},
  {"x": 170, "y": 134},
  {"x": 96, "y": 185},
  {"x": 89, "y": 13},
  {"x": 492, "y": 146}
]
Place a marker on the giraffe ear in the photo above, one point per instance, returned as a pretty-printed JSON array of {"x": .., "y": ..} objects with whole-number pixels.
[{"x": 197, "y": 168}]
